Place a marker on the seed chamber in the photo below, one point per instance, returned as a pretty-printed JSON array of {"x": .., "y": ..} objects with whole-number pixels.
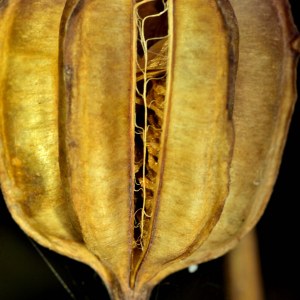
[{"x": 151, "y": 20}]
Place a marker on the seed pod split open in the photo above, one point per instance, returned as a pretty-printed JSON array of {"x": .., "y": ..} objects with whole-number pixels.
[{"x": 123, "y": 132}]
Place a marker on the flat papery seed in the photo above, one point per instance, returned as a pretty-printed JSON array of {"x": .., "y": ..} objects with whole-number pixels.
[
  {"x": 147, "y": 183},
  {"x": 149, "y": 204},
  {"x": 153, "y": 148},
  {"x": 152, "y": 175},
  {"x": 152, "y": 162},
  {"x": 160, "y": 87},
  {"x": 136, "y": 168},
  {"x": 155, "y": 132},
  {"x": 155, "y": 125},
  {"x": 139, "y": 101}
]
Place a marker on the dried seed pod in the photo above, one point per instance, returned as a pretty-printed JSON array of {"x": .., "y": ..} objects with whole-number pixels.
[
  {"x": 264, "y": 102},
  {"x": 127, "y": 155}
]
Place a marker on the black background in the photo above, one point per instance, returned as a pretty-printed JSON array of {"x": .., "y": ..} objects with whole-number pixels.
[{"x": 24, "y": 275}]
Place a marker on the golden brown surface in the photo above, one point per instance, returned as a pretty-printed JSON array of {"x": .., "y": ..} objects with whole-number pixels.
[
  {"x": 264, "y": 102},
  {"x": 98, "y": 138},
  {"x": 67, "y": 133},
  {"x": 30, "y": 178},
  {"x": 198, "y": 62},
  {"x": 242, "y": 270}
]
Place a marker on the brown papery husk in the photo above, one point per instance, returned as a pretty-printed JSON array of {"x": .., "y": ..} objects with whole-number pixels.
[
  {"x": 75, "y": 196},
  {"x": 264, "y": 103},
  {"x": 67, "y": 167}
]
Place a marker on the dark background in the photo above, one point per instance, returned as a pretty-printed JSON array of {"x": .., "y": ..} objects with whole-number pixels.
[{"x": 24, "y": 275}]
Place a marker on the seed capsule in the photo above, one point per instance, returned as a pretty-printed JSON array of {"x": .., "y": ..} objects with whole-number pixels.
[{"x": 125, "y": 129}]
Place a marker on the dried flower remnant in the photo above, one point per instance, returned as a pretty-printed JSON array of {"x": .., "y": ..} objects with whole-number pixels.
[{"x": 135, "y": 186}]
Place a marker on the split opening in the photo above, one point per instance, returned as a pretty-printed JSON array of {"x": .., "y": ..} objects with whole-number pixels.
[{"x": 151, "y": 21}]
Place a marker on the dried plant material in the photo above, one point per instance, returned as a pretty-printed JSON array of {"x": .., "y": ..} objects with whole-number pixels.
[
  {"x": 157, "y": 60},
  {"x": 243, "y": 272},
  {"x": 264, "y": 102},
  {"x": 120, "y": 147}
]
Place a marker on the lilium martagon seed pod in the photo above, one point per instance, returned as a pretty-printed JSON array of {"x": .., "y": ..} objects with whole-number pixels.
[{"x": 141, "y": 138}]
